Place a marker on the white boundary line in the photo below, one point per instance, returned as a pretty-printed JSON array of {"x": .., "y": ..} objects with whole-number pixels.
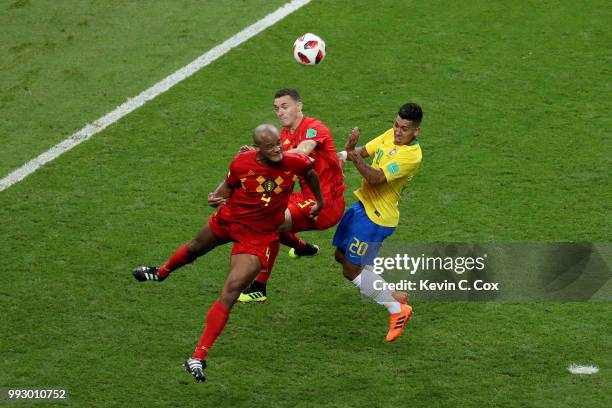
[{"x": 162, "y": 86}]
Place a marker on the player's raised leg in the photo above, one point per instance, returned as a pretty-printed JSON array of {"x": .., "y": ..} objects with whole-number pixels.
[
  {"x": 205, "y": 241},
  {"x": 367, "y": 281},
  {"x": 357, "y": 240}
]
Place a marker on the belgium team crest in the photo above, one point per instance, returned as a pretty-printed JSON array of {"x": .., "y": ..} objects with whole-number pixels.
[{"x": 269, "y": 185}]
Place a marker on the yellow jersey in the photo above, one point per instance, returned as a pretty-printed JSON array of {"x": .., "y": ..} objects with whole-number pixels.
[{"x": 400, "y": 164}]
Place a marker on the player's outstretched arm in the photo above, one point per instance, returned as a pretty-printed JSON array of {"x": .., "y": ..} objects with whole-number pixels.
[
  {"x": 351, "y": 146},
  {"x": 312, "y": 180},
  {"x": 221, "y": 193},
  {"x": 343, "y": 155},
  {"x": 373, "y": 176},
  {"x": 305, "y": 147}
]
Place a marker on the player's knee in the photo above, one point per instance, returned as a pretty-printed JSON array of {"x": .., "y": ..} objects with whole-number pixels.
[
  {"x": 349, "y": 269},
  {"x": 195, "y": 248},
  {"x": 229, "y": 295},
  {"x": 228, "y": 298},
  {"x": 339, "y": 256},
  {"x": 232, "y": 289},
  {"x": 350, "y": 272}
]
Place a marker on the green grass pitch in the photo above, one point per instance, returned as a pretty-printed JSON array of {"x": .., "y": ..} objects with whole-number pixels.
[{"x": 517, "y": 148}]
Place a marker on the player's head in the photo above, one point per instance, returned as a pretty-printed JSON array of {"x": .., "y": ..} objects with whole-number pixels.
[
  {"x": 266, "y": 141},
  {"x": 288, "y": 107},
  {"x": 407, "y": 122}
]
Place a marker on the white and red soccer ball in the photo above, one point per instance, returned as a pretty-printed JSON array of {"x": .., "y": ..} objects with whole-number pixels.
[{"x": 309, "y": 49}]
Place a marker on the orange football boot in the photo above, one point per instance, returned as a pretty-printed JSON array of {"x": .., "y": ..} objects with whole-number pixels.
[{"x": 397, "y": 322}]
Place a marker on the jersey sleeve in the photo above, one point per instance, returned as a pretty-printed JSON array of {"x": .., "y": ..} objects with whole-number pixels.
[
  {"x": 317, "y": 132},
  {"x": 373, "y": 145},
  {"x": 231, "y": 177},
  {"x": 299, "y": 163},
  {"x": 405, "y": 164}
]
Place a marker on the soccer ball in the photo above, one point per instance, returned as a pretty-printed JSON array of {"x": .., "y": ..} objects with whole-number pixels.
[{"x": 309, "y": 49}]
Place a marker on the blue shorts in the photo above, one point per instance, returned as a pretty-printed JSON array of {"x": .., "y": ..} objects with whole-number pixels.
[{"x": 358, "y": 237}]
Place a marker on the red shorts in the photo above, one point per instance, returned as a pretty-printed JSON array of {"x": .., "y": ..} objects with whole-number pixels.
[
  {"x": 246, "y": 241},
  {"x": 299, "y": 206}
]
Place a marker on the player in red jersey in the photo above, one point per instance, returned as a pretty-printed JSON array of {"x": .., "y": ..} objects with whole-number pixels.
[
  {"x": 308, "y": 136},
  {"x": 251, "y": 204}
]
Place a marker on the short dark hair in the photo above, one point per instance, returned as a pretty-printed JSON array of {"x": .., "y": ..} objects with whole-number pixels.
[
  {"x": 293, "y": 93},
  {"x": 412, "y": 112}
]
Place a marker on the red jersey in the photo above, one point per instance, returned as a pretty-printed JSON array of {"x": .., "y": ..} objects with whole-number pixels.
[
  {"x": 326, "y": 163},
  {"x": 261, "y": 192}
]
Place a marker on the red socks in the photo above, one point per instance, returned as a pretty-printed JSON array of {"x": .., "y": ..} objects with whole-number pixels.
[
  {"x": 215, "y": 322},
  {"x": 179, "y": 258},
  {"x": 291, "y": 239},
  {"x": 263, "y": 276}
]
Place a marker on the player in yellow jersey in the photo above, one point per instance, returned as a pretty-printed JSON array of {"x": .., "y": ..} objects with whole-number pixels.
[{"x": 396, "y": 157}]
